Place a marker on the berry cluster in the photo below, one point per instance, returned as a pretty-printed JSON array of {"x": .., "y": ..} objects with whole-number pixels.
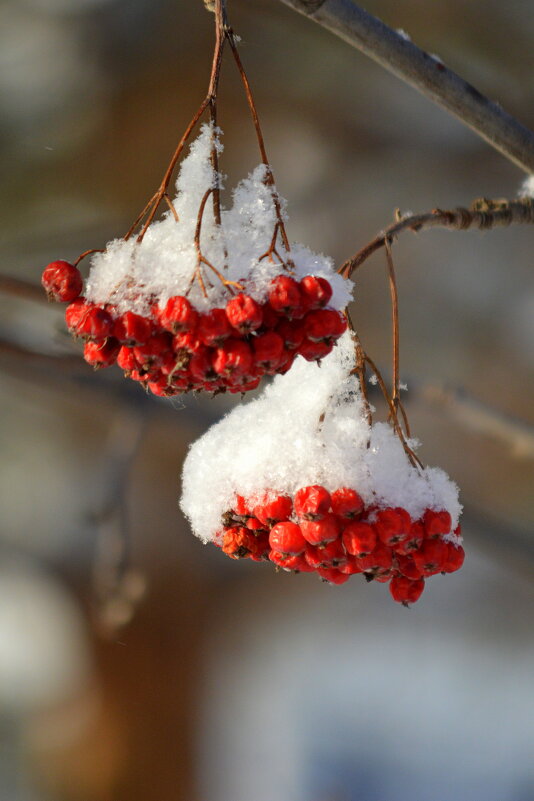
[
  {"x": 336, "y": 536},
  {"x": 177, "y": 348}
]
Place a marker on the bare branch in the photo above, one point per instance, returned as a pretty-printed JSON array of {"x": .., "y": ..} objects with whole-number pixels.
[
  {"x": 478, "y": 417},
  {"x": 426, "y": 73},
  {"x": 482, "y": 214}
]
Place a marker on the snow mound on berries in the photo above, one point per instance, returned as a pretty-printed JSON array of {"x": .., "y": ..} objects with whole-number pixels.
[
  {"x": 131, "y": 275},
  {"x": 308, "y": 427}
]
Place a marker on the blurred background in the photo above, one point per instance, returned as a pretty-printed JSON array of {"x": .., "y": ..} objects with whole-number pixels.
[{"x": 195, "y": 677}]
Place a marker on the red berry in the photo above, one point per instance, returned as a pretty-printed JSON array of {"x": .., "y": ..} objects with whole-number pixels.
[
  {"x": 253, "y": 524},
  {"x": 324, "y": 325},
  {"x": 292, "y": 332},
  {"x": 88, "y": 320},
  {"x": 319, "y": 532},
  {"x": 431, "y": 557},
  {"x": 178, "y": 315},
  {"x": 350, "y": 567},
  {"x": 413, "y": 541},
  {"x": 284, "y": 295},
  {"x": 268, "y": 350},
  {"x": 213, "y": 327},
  {"x": 233, "y": 357},
  {"x": 287, "y": 538},
  {"x": 379, "y": 560},
  {"x": 347, "y": 503},
  {"x": 275, "y": 510},
  {"x": 132, "y": 329},
  {"x": 454, "y": 559},
  {"x": 126, "y": 359},
  {"x": 270, "y": 318},
  {"x": 332, "y": 576},
  {"x": 392, "y": 525},
  {"x": 101, "y": 354},
  {"x": 62, "y": 281},
  {"x": 153, "y": 351},
  {"x": 290, "y": 562},
  {"x": 238, "y": 542},
  {"x": 406, "y": 591},
  {"x": 312, "y": 503},
  {"x": 330, "y": 555},
  {"x": 408, "y": 567},
  {"x": 359, "y": 539},
  {"x": 200, "y": 365},
  {"x": 313, "y": 351},
  {"x": 186, "y": 341},
  {"x": 315, "y": 291},
  {"x": 436, "y": 523},
  {"x": 241, "y": 506},
  {"x": 244, "y": 313}
]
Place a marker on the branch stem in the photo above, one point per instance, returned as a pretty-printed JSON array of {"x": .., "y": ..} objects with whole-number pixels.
[{"x": 426, "y": 73}]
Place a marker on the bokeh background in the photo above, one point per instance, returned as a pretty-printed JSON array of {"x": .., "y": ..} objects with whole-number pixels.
[{"x": 200, "y": 678}]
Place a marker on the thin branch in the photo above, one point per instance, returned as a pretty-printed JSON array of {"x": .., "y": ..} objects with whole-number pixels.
[
  {"x": 478, "y": 417},
  {"x": 483, "y": 214},
  {"x": 426, "y": 73}
]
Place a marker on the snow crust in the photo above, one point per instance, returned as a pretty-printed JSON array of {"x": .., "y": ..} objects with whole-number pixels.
[
  {"x": 131, "y": 275},
  {"x": 308, "y": 427}
]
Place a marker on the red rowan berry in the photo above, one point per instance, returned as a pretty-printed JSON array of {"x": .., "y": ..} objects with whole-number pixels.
[
  {"x": 324, "y": 325},
  {"x": 330, "y": 555},
  {"x": 406, "y": 591},
  {"x": 378, "y": 561},
  {"x": 431, "y": 557},
  {"x": 178, "y": 315},
  {"x": 271, "y": 319},
  {"x": 454, "y": 559},
  {"x": 132, "y": 329},
  {"x": 126, "y": 359},
  {"x": 233, "y": 357},
  {"x": 213, "y": 327},
  {"x": 186, "y": 341},
  {"x": 408, "y": 567},
  {"x": 284, "y": 294},
  {"x": 287, "y": 538},
  {"x": 436, "y": 523},
  {"x": 315, "y": 291},
  {"x": 332, "y": 576},
  {"x": 392, "y": 525},
  {"x": 268, "y": 350},
  {"x": 237, "y": 542},
  {"x": 92, "y": 323},
  {"x": 200, "y": 365},
  {"x": 153, "y": 352},
  {"x": 347, "y": 503},
  {"x": 312, "y": 503},
  {"x": 101, "y": 354},
  {"x": 62, "y": 281},
  {"x": 413, "y": 541},
  {"x": 244, "y": 313},
  {"x": 292, "y": 332},
  {"x": 320, "y": 532},
  {"x": 350, "y": 567},
  {"x": 314, "y": 351},
  {"x": 275, "y": 510},
  {"x": 359, "y": 539},
  {"x": 241, "y": 506},
  {"x": 253, "y": 524}
]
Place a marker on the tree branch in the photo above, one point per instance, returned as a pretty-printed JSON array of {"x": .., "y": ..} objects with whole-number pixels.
[
  {"x": 426, "y": 73},
  {"x": 482, "y": 214}
]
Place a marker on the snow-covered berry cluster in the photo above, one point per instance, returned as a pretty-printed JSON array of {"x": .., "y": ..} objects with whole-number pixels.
[
  {"x": 160, "y": 308},
  {"x": 336, "y": 536},
  {"x": 300, "y": 478}
]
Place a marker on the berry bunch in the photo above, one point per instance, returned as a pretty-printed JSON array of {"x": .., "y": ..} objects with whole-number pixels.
[
  {"x": 336, "y": 536},
  {"x": 177, "y": 348}
]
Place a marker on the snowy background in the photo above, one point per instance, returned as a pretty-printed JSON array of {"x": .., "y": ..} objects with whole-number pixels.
[{"x": 234, "y": 683}]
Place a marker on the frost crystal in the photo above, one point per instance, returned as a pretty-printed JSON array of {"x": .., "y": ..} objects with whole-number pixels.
[
  {"x": 131, "y": 275},
  {"x": 309, "y": 427}
]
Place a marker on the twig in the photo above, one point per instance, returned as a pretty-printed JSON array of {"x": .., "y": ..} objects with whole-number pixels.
[
  {"x": 483, "y": 214},
  {"x": 473, "y": 414},
  {"x": 426, "y": 73}
]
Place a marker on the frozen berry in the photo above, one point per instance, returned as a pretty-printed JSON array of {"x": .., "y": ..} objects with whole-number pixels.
[
  {"x": 233, "y": 357},
  {"x": 88, "y": 320},
  {"x": 312, "y": 503},
  {"x": 213, "y": 327},
  {"x": 392, "y": 525},
  {"x": 454, "y": 559},
  {"x": 431, "y": 557},
  {"x": 292, "y": 333},
  {"x": 178, "y": 315},
  {"x": 346, "y": 503},
  {"x": 314, "y": 351},
  {"x": 132, "y": 329},
  {"x": 268, "y": 350},
  {"x": 359, "y": 539},
  {"x": 244, "y": 313},
  {"x": 332, "y": 575},
  {"x": 320, "y": 532},
  {"x": 274, "y": 510},
  {"x": 284, "y": 294},
  {"x": 329, "y": 555},
  {"x": 324, "y": 325},
  {"x": 101, "y": 354},
  {"x": 436, "y": 523},
  {"x": 315, "y": 291}
]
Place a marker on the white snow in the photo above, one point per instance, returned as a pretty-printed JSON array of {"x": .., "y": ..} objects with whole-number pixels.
[
  {"x": 131, "y": 275},
  {"x": 279, "y": 443}
]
